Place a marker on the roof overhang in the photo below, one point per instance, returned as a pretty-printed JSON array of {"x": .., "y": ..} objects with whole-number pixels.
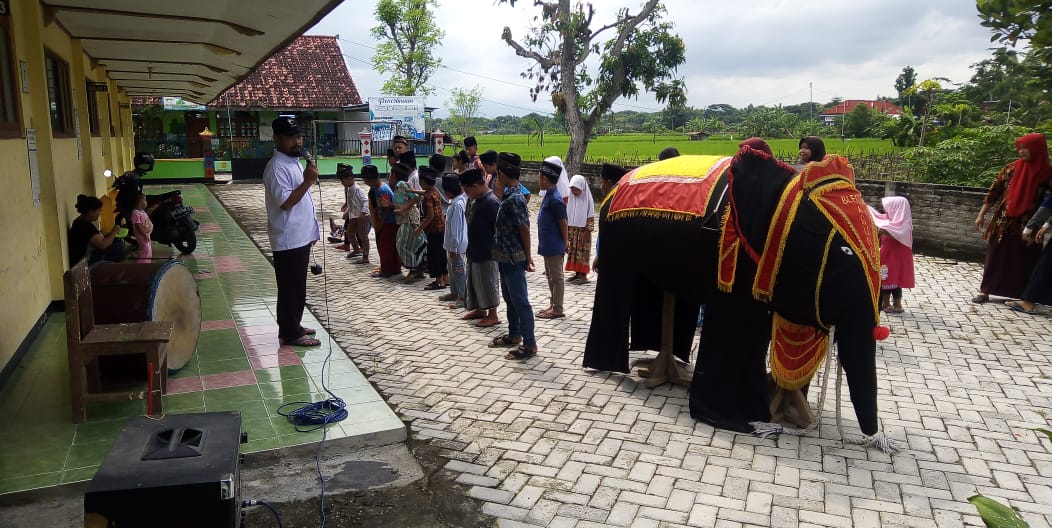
[{"x": 194, "y": 49}]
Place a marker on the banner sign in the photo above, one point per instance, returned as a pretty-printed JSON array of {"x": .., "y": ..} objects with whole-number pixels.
[
  {"x": 407, "y": 111},
  {"x": 178, "y": 103}
]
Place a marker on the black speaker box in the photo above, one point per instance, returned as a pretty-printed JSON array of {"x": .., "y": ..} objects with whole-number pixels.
[{"x": 179, "y": 471}]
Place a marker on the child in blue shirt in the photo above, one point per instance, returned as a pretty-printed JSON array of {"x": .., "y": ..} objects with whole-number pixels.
[{"x": 552, "y": 234}]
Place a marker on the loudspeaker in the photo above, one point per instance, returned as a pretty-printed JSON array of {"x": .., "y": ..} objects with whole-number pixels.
[{"x": 179, "y": 471}]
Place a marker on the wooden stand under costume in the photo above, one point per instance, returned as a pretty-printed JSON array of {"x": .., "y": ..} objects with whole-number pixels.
[{"x": 664, "y": 369}]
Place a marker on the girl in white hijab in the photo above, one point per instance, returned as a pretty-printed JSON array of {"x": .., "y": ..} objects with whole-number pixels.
[
  {"x": 580, "y": 220},
  {"x": 564, "y": 179},
  {"x": 896, "y": 251}
]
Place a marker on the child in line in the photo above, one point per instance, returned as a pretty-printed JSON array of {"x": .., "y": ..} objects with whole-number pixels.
[
  {"x": 896, "y": 251},
  {"x": 142, "y": 227},
  {"x": 356, "y": 215},
  {"x": 433, "y": 225},
  {"x": 580, "y": 212},
  {"x": 511, "y": 250},
  {"x": 455, "y": 241},
  {"x": 551, "y": 238}
]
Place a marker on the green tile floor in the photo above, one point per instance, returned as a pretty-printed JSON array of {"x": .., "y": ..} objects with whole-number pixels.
[{"x": 238, "y": 366}]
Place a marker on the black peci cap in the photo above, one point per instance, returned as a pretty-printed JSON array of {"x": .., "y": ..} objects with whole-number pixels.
[{"x": 286, "y": 126}]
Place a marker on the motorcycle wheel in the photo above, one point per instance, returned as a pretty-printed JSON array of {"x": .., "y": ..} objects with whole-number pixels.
[{"x": 188, "y": 243}]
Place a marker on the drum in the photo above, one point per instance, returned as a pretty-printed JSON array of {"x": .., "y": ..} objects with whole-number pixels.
[{"x": 130, "y": 292}]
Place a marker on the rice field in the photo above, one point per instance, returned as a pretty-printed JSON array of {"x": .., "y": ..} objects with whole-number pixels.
[{"x": 642, "y": 147}]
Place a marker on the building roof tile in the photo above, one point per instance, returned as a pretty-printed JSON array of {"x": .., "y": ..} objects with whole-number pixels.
[
  {"x": 309, "y": 74},
  {"x": 844, "y": 107}
]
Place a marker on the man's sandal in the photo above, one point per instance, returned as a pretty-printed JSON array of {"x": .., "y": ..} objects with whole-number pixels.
[
  {"x": 304, "y": 341},
  {"x": 505, "y": 341},
  {"x": 522, "y": 353}
]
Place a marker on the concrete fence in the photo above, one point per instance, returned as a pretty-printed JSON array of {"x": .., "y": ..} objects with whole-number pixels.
[{"x": 943, "y": 215}]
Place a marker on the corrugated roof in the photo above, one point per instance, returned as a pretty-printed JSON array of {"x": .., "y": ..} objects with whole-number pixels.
[{"x": 309, "y": 73}]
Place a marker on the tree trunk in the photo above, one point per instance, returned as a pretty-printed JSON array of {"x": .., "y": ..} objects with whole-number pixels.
[{"x": 580, "y": 135}]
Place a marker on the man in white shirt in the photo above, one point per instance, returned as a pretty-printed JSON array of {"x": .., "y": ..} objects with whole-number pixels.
[{"x": 292, "y": 226}]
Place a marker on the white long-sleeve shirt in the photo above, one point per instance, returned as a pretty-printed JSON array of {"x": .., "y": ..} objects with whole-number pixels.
[{"x": 456, "y": 235}]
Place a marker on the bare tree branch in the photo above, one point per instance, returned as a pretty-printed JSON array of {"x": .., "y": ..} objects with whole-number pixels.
[
  {"x": 606, "y": 100},
  {"x": 546, "y": 63},
  {"x": 602, "y": 29}
]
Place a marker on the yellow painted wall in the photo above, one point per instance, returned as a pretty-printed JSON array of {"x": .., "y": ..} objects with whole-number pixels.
[
  {"x": 35, "y": 233},
  {"x": 26, "y": 292}
]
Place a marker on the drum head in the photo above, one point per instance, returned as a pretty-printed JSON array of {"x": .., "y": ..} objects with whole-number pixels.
[{"x": 175, "y": 298}]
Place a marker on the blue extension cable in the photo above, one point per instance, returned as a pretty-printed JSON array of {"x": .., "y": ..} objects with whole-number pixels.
[{"x": 311, "y": 416}]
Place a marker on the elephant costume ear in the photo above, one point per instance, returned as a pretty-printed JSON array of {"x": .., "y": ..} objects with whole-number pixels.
[{"x": 756, "y": 183}]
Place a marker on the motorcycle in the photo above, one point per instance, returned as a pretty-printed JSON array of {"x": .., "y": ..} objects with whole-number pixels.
[{"x": 173, "y": 222}]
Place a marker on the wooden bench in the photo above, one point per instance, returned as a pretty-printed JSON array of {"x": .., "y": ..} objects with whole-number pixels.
[{"x": 87, "y": 342}]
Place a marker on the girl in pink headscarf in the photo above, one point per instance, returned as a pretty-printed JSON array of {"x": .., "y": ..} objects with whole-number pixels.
[{"x": 896, "y": 251}]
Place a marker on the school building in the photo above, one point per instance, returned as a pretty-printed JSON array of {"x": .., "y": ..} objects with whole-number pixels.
[{"x": 67, "y": 72}]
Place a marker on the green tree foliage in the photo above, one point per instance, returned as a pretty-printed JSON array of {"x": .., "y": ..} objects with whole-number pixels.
[
  {"x": 929, "y": 88},
  {"x": 641, "y": 54},
  {"x": 770, "y": 122},
  {"x": 534, "y": 124},
  {"x": 1029, "y": 21},
  {"x": 1008, "y": 87},
  {"x": 408, "y": 37},
  {"x": 655, "y": 126},
  {"x": 972, "y": 158},
  {"x": 463, "y": 108},
  {"x": 903, "y": 131},
  {"x": 906, "y": 80},
  {"x": 857, "y": 121},
  {"x": 677, "y": 117},
  {"x": 698, "y": 124}
]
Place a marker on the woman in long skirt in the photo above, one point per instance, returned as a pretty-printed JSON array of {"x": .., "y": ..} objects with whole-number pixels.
[
  {"x": 1014, "y": 196},
  {"x": 580, "y": 221}
]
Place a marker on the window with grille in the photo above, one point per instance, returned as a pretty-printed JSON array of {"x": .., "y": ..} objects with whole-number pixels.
[{"x": 60, "y": 99}]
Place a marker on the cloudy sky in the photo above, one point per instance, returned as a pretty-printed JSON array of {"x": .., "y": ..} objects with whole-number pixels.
[{"x": 764, "y": 52}]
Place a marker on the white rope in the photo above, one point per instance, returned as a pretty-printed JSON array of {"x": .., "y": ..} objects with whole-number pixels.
[
  {"x": 824, "y": 385},
  {"x": 880, "y": 441},
  {"x": 765, "y": 429},
  {"x": 839, "y": 386}
]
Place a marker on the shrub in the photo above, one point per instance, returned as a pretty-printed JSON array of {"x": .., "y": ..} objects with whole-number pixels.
[{"x": 972, "y": 158}]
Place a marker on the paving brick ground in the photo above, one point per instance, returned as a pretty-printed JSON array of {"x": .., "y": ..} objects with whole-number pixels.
[{"x": 548, "y": 443}]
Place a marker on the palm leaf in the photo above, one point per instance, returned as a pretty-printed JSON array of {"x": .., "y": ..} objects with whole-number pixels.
[{"x": 995, "y": 514}]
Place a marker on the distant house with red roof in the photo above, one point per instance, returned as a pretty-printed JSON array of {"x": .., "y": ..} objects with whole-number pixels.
[
  {"x": 834, "y": 113},
  {"x": 308, "y": 79}
]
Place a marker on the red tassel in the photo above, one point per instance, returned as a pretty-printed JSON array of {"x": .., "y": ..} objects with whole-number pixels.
[{"x": 881, "y": 333}]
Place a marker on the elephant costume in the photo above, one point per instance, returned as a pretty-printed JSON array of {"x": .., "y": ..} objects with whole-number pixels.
[{"x": 770, "y": 252}]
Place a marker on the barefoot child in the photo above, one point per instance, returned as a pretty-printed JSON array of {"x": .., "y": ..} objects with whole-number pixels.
[
  {"x": 455, "y": 241},
  {"x": 896, "y": 251},
  {"x": 356, "y": 215},
  {"x": 433, "y": 225}
]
